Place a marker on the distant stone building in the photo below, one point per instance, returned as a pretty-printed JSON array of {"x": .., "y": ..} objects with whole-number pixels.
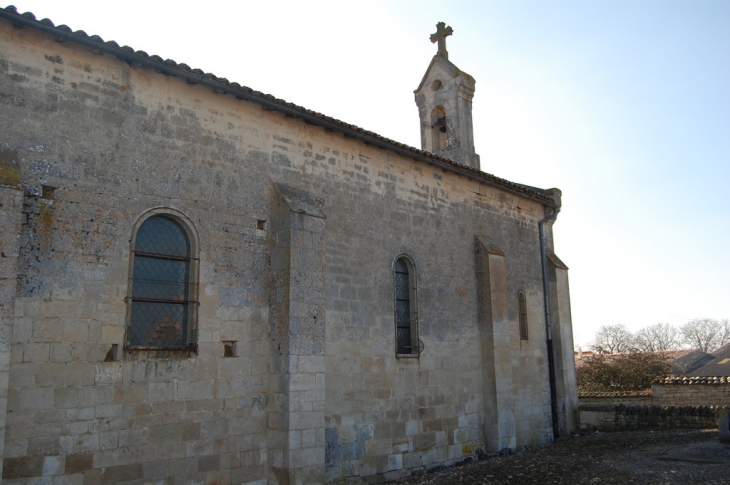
[{"x": 201, "y": 283}]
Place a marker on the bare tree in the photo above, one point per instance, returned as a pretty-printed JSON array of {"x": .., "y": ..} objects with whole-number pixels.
[
  {"x": 661, "y": 336},
  {"x": 706, "y": 334},
  {"x": 613, "y": 339}
]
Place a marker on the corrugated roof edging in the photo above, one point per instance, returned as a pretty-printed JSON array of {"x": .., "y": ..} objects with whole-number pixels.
[
  {"x": 222, "y": 85},
  {"x": 682, "y": 380},
  {"x": 615, "y": 394}
]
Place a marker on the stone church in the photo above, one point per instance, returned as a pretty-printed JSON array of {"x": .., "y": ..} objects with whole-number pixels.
[{"x": 201, "y": 283}]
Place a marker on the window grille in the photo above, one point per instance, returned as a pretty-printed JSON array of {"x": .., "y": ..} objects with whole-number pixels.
[
  {"x": 161, "y": 302},
  {"x": 523, "y": 315},
  {"x": 406, "y": 326}
]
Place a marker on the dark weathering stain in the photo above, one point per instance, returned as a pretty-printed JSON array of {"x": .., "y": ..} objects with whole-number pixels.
[
  {"x": 280, "y": 159},
  {"x": 9, "y": 167},
  {"x": 335, "y": 452},
  {"x": 12, "y": 100},
  {"x": 35, "y": 245},
  {"x": 255, "y": 156},
  {"x": 54, "y": 59}
]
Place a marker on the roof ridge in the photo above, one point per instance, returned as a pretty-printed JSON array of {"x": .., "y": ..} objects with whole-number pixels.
[{"x": 693, "y": 380}]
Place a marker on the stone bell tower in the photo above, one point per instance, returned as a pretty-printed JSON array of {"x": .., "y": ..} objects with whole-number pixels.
[{"x": 444, "y": 106}]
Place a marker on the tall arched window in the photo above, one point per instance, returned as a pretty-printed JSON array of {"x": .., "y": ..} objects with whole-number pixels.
[
  {"x": 162, "y": 287},
  {"x": 406, "y": 315},
  {"x": 522, "y": 303}
]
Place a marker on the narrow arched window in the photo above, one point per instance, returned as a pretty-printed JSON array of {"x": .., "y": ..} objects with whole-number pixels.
[
  {"x": 162, "y": 292},
  {"x": 406, "y": 321},
  {"x": 522, "y": 303},
  {"x": 438, "y": 129}
]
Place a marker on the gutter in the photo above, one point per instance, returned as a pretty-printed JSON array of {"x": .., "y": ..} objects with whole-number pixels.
[
  {"x": 223, "y": 86},
  {"x": 548, "y": 318}
]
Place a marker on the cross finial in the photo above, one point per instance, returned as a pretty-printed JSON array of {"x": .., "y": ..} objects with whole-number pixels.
[{"x": 442, "y": 31}]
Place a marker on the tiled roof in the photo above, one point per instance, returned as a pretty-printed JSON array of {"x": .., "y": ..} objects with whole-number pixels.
[
  {"x": 716, "y": 364},
  {"x": 693, "y": 380},
  {"x": 614, "y": 394},
  {"x": 267, "y": 101}
]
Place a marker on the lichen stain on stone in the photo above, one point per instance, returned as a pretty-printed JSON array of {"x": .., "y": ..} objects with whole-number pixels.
[
  {"x": 54, "y": 59},
  {"x": 9, "y": 169},
  {"x": 45, "y": 214}
]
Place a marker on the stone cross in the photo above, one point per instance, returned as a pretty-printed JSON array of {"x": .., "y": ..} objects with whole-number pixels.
[{"x": 440, "y": 36}]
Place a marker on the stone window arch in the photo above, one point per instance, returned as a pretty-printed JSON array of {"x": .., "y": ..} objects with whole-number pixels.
[
  {"x": 405, "y": 307},
  {"x": 163, "y": 277},
  {"x": 522, "y": 305}
]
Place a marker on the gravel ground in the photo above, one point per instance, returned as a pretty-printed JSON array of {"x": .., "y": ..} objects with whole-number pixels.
[{"x": 640, "y": 457}]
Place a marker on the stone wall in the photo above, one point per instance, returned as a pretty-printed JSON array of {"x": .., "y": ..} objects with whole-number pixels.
[
  {"x": 295, "y": 378},
  {"x": 11, "y": 201},
  {"x": 626, "y": 418},
  {"x": 679, "y": 402},
  {"x": 692, "y": 391}
]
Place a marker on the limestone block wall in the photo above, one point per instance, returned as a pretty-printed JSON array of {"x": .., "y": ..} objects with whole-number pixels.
[
  {"x": 390, "y": 417},
  {"x": 313, "y": 391},
  {"x": 296, "y": 420},
  {"x": 11, "y": 200},
  {"x": 669, "y": 391},
  {"x": 691, "y": 392},
  {"x": 623, "y": 418},
  {"x": 562, "y": 325},
  {"x": 89, "y": 126},
  {"x": 672, "y": 402}
]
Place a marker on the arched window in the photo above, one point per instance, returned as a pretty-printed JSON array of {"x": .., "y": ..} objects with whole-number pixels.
[
  {"x": 162, "y": 285},
  {"x": 406, "y": 315},
  {"x": 438, "y": 129},
  {"x": 522, "y": 302}
]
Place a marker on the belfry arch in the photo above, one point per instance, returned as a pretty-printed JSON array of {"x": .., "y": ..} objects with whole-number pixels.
[{"x": 438, "y": 129}]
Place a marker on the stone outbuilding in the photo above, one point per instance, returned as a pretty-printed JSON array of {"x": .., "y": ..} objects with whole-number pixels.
[{"x": 201, "y": 283}]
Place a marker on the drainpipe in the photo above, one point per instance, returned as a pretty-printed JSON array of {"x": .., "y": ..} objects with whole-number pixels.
[{"x": 548, "y": 320}]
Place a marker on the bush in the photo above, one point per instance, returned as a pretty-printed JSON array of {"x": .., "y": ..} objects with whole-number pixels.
[{"x": 632, "y": 371}]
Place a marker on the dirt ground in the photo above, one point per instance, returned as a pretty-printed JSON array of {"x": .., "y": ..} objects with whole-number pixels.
[{"x": 639, "y": 457}]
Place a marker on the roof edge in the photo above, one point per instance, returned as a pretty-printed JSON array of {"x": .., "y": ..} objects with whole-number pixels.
[{"x": 268, "y": 102}]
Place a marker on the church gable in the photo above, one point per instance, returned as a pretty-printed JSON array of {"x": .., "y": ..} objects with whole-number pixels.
[{"x": 441, "y": 69}]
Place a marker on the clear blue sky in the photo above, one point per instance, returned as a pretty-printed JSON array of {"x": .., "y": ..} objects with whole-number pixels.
[{"x": 623, "y": 105}]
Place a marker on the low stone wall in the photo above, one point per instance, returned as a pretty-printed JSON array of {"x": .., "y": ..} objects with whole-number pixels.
[
  {"x": 673, "y": 402},
  {"x": 623, "y": 418},
  {"x": 691, "y": 391}
]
